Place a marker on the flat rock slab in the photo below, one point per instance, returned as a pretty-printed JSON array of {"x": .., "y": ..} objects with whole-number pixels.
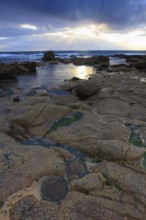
[{"x": 21, "y": 165}]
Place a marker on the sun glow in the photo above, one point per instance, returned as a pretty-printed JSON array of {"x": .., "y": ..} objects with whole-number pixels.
[
  {"x": 98, "y": 36},
  {"x": 85, "y": 31}
]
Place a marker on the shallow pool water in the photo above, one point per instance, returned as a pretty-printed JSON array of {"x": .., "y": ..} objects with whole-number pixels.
[{"x": 52, "y": 75}]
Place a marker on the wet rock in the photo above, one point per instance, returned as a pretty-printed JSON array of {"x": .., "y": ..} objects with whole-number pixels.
[
  {"x": 101, "y": 61},
  {"x": 10, "y": 71},
  {"x": 64, "y": 60},
  {"x": 54, "y": 62},
  {"x": 54, "y": 188},
  {"x": 31, "y": 66},
  {"x": 74, "y": 79},
  {"x": 49, "y": 56},
  {"x": 121, "y": 67}
]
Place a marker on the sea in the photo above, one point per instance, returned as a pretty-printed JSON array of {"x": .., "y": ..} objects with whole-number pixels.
[{"x": 52, "y": 75}]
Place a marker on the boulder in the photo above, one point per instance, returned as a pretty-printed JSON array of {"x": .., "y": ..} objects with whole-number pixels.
[
  {"x": 86, "y": 89},
  {"x": 49, "y": 56}
]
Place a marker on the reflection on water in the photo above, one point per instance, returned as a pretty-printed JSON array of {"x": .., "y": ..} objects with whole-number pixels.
[
  {"x": 82, "y": 72},
  {"x": 53, "y": 75}
]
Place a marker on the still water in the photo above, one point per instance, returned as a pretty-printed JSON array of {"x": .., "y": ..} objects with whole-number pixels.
[{"x": 51, "y": 75}]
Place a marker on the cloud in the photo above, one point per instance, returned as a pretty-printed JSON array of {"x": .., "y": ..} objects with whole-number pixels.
[
  {"x": 28, "y": 26},
  {"x": 115, "y": 13},
  {"x": 49, "y": 20}
]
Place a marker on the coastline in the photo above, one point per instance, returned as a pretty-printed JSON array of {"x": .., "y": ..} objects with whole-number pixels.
[{"x": 93, "y": 139}]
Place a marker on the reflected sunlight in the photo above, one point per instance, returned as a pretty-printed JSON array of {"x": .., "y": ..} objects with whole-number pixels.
[{"x": 82, "y": 72}]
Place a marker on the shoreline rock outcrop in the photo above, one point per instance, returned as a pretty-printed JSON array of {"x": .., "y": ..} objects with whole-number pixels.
[
  {"x": 11, "y": 70},
  {"x": 78, "y": 155}
]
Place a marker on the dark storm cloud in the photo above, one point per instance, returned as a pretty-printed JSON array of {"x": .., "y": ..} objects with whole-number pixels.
[{"x": 116, "y": 13}]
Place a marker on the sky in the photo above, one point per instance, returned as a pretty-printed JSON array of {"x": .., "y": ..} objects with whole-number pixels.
[{"x": 32, "y": 25}]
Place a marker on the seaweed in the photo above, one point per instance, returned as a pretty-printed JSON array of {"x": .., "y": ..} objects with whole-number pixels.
[
  {"x": 135, "y": 139},
  {"x": 65, "y": 121}
]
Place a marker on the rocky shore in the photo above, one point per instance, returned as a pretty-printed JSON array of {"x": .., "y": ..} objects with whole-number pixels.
[{"x": 79, "y": 154}]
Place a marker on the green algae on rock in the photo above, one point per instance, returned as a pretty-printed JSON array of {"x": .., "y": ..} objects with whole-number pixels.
[
  {"x": 135, "y": 139},
  {"x": 135, "y": 136},
  {"x": 65, "y": 121}
]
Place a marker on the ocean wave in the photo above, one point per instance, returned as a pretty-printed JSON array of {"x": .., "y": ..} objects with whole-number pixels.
[{"x": 37, "y": 55}]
